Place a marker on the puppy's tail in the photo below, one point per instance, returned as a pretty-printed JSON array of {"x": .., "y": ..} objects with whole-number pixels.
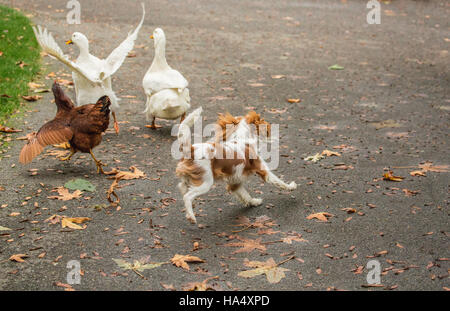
[{"x": 184, "y": 132}]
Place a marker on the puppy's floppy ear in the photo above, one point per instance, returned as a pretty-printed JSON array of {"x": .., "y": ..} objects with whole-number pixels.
[{"x": 252, "y": 117}]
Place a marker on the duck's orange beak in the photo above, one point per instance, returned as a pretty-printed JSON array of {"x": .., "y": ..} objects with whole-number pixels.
[
  {"x": 151, "y": 37},
  {"x": 69, "y": 42}
]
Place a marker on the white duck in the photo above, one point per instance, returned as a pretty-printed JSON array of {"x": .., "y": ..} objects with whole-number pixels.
[
  {"x": 166, "y": 88},
  {"x": 91, "y": 75}
]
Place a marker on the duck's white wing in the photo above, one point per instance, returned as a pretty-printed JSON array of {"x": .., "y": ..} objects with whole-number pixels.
[
  {"x": 49, "y": 45},
  {"x": 117, "y": 57},
  {"x": 166, "y": 79}
]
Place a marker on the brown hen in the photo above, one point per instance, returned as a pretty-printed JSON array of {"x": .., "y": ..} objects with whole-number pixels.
[{"x": 81, "y": 126}]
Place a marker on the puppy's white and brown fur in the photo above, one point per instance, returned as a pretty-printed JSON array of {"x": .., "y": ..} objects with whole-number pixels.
[{"x": 231, "y": 157}]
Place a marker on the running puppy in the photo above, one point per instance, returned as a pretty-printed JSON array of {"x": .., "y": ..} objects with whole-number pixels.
[{"x": 232, "y": 157}]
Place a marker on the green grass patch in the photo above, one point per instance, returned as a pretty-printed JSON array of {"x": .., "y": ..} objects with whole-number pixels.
[{"x": 19, "y": 59}]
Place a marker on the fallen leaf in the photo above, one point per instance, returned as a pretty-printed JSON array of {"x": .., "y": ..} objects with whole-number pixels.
[
  {"x": 247, "y": 245},
  {"x": 18, "y": 257},
  {"x": 201, "y": 286},
  {"x": 137, "y": 265},
  {"x": 4, "y": 228},
  {"x": 5, "y": 129},
  {"x": 389, "y": 176},
  {"x": 270, "y": 268},
  {"x": 323, "y": 216},
  {"x": 336, "y": 67},
  {"x": 65, "y": 195},
  {"x": 71, "y": 222},
  {"x": 32, "y": 98},
  {"x": 123, "y": 175},
  {"x": 182, "y": 260},
  {"x": 329, "y": 153},
  {"x": 80, "y": 184},
  {"x": 315, "y": 158}
]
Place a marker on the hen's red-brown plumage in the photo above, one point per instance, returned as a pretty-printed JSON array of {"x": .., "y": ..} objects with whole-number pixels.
[{"x": 81, "y": 126}]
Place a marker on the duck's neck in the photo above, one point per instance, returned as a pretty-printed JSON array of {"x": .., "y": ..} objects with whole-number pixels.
[
  {"x": 84, "y": 52},
  {"x": 159, "y": 61}
]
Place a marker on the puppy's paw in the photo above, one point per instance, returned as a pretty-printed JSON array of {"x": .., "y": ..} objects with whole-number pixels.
[
  {"x": 255, "y": 202},
  {"x": 292, "y": 186},
  {"x": 191, "y": 218}
]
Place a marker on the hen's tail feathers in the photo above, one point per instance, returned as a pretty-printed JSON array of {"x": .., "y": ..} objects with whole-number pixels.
[
  {"x": 184, "y": 132},
  {"x": 105, "y": 103}
]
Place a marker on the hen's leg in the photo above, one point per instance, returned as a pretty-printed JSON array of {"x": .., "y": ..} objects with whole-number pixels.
[
  {"x": 72, "y": 152},
  {"x": 153, "y": 126},
  {"x": 98, "y": 163},
  {"x": 116, "y": 124}
]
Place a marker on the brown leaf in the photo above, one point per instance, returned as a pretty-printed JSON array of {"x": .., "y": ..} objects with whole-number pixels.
[
  {"x": 32, "y": 98},
  {"x": 201, "y": 286},
  {"x": 329, "y": 153},
  {"x": 323, "y": 216},
  {"x": 123, "y": 175},
  {"x": 65, "y": 195},
  {"x": 18, "y": 257},
  {"x": 248, "y": 245},
  {"x": 429, "y": 167},
  {"x": 182, "y": 260},
  {"x": 5, "y": 129}
]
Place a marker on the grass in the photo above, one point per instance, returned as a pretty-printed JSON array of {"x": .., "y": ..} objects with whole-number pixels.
[{"x": 19, "y": 59}]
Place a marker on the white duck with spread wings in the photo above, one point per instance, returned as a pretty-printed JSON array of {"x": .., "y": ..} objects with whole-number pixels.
[
  {"x": 91, "y": 75},
  {"x": 165, "y": 88}
]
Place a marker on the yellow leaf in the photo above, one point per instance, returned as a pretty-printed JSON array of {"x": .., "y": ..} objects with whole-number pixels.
[
  {"x": 71, "y": 222},
  {"x": 389, "y": 176}
]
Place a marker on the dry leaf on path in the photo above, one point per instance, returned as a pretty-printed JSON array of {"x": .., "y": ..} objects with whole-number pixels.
[
  {"x": 201, "y": 286},
  {"x": 65, "y": 195},
  {"x": 134, "y": 174},
  {"x": 71, "y": 222},
  {"x": 429, "y": 167},
  {"x": 182, "y": 260},
  {"x": 329, "y": 153},
  {"x": 5, "y": 129},
  {"x": 32, "y": 98},
  {"x": 18, "y": 257},
  {"x": 320, "y": 216},
  {"x": 390, "y": 176},
  {"x": 270, "y": 268},
  {"x": 248, "y": 245}
]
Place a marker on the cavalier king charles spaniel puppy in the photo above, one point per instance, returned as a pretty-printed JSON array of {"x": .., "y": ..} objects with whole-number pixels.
[{"x": 232, "y": 156}]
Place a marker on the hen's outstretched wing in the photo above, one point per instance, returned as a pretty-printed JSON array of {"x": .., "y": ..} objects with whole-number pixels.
[
  {"x": 49, "y": 45},
  {"x": 117, "y": 57},
  {"x": 52, "y": 132}
]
